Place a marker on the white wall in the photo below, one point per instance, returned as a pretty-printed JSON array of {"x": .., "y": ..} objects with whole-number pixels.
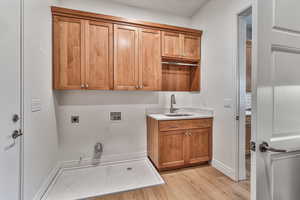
[
  {"x": 123, "y": 139},
  {"x": 218, "y": 20},
  {"x": 40, "y": 138}
]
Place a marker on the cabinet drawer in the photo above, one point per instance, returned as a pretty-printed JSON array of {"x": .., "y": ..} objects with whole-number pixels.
[{"x": 184, "y": 124}]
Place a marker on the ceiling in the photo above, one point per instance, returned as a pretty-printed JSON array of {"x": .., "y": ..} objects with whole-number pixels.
[{"x": 185, "y": 8}]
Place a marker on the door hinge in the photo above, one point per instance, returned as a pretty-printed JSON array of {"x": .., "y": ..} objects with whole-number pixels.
[
  {"x": 237, "y": 117},
  {"x": 252, "y": 146}
]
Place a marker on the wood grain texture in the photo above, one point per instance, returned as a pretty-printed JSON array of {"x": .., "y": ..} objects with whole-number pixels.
[
  {"x": 190, "y": 47},
  {"x": 126, "y": 69},
  {"x": 171, "y": 44},
  {"x": 172, "y": 149},
  {"x": 184, "y": 124},
  {"x": 94, "y": 16},
  {"x": 68, "y": 53},
  {"x": 198, "y": 145},
  {"x": 149, "y": 59},
  {"x": 176, "y": 78},
  {"x": 99, "y": 55},
  {"x": 153, "y": 140},
  {"x": 195, "y": 79},
  {"x": 179, "y": 143},
  {"x": 195, "y": 183}
]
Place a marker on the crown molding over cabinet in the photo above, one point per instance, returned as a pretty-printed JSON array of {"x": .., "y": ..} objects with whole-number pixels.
[{"x": 100, "y": 52}]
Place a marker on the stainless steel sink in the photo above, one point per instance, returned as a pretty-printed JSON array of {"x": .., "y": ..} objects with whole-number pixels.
[{"x": 178, "y": 114}]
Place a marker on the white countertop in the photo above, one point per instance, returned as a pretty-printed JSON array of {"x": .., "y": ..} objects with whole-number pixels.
[{"x": 195, "y": 113}]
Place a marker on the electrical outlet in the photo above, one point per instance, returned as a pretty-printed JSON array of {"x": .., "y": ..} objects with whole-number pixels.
[
  {"x": 115, "y": 116},
  {"x": 75, "y": 119}
]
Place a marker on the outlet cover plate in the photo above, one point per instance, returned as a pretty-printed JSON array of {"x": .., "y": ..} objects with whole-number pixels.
[{"x": 115, "y": 116}]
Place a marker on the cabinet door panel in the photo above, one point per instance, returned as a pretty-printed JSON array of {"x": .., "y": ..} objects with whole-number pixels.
[
  {"x": 125, "y": 57},
  {"x": 68, "y": 53},
  {"x": 171, "y": 146},
  {"x": 99, "y": 55},
  {"x": 171, "y": 45},
  {"x": 198, "y": 146},
  {"x": 150, "y": 59},
  {"x": 190, "y": 47}
]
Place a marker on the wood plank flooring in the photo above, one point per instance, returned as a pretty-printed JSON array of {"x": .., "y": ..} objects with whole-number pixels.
[{"x": 197, "y": 183}]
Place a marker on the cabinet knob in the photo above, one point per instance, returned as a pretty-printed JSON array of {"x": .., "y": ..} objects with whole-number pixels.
[
  {"x": 137, "y": 87},
  {"x": 82, "y": 86},
  {"x": 86, "y": 85}
]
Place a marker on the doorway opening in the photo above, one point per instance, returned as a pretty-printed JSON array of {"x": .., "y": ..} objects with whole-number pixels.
[{"x": 244, "y": 93}]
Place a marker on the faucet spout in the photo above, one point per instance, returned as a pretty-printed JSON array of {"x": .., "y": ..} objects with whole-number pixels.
[{"x": 173, "y": 101}]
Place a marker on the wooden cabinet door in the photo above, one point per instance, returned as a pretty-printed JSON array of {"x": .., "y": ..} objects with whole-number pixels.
[
  {"x": 126, "y": 70},
  {"x": 190, "y": 47},
  {"x": 198, "y": 148},
  {"x": 99, "y": 55},
  {"x": 171, "y": 45},
  {"x": 171, "y": 148},
  {"x": 149, "y": 59},
  {"x": 68, "y": 53}
]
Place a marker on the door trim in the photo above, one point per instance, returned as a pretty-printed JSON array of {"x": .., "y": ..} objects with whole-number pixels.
[
  {"x": 237, "y": 138},
  {"x": 22, "y": 94}
]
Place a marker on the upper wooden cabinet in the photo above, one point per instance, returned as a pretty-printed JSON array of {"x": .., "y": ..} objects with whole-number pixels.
[
  {"x": 137, "y": 58},
  {"x": 68, "y": 53},
  {"x": 82, "y": 54},
  {"x": 180, "y": 46},
  {"x": 100, "y": 52},
  {"x": 190, "y": 47},
  {"x": 99, "y": 55},
  {"x": 149, "y": 59},
  {"x": 171, "y": 44},
  {"x": 126, "y": 69}
]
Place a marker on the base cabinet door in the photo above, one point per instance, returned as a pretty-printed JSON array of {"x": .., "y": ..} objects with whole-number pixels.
[
  {"x": 198, "y": 146},
  {"x": 171, "y": 149}
]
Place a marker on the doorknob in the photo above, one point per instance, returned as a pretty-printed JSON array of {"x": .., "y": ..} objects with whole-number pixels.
[
  {"x": 264, "y": 147},
  {"x": 16, "y": 134}
]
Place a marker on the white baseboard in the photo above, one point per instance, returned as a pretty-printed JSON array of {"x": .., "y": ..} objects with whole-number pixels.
[
  {"x": 104, "y": 160},
  {"x": 47, "y": 183},
  {"x": 228, "y": 171}
]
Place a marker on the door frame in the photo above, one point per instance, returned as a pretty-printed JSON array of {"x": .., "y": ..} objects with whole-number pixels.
[
  {"x": 22, "y": 95},
  {"x": 253, "y": 101},
  {"x": 240, "y": 173}
]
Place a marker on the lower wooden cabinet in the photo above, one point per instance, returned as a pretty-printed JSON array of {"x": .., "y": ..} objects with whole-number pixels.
[
  {"x": 171, "y": 148},
  {"x": 179, "y": 143}
]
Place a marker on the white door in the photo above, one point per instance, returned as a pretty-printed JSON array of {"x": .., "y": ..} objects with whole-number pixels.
[
  {"x": 9, "y": 99},
  {"x": 276, "y": 176}
]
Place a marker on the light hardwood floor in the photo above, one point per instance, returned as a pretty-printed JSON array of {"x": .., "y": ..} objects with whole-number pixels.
[{"x": 197, "y": 183}]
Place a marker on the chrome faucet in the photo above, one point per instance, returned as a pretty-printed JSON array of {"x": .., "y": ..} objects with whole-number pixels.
[{"x": 173, "y": 101}]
